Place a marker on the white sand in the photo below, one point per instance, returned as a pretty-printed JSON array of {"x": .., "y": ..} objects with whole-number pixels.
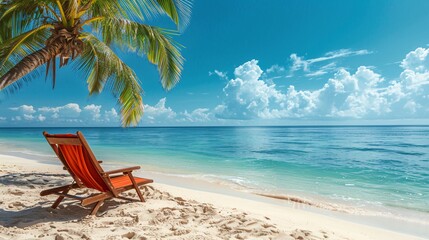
[{"x": 170, "y": 212}]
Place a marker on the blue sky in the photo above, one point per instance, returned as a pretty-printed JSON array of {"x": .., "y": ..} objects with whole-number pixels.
[{"x": 265, "y": 63}]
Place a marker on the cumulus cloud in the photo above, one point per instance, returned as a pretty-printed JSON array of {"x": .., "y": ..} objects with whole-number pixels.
[
  {"x": 41, "y": 118},
  {"x": 246, "y": 95},
  {"x": 417, "y": 60},
  {"x": 25, "y": 109},
  {"x": 28, "y": 117},
  {"x": 411, "y": 91},
  {"x": 159, "y": 111},
  {"x": 92, "y": 111},
  {"x": 71, "y": 113},
  {"x": 111, "y": 115},
  {"x": 68, "y": 111},
  {"x": 352, "y": 95},
  {"x": 362, "y": 94}
]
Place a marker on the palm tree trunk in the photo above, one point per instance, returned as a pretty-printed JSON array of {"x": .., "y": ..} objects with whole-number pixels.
[{"x": 29, "y": 63}]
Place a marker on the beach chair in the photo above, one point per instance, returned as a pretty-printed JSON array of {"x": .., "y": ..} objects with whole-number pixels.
[{"x": 78, "y": 159}]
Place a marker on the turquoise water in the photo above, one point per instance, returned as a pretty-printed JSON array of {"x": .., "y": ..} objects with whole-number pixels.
[{"x": 384, "y": 167}]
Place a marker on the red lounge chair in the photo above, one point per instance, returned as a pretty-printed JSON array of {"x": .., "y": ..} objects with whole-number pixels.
[{"x": 78, "y": 159}]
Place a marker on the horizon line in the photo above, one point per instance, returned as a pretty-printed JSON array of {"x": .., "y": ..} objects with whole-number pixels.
[{"x": 219, "y": 126}]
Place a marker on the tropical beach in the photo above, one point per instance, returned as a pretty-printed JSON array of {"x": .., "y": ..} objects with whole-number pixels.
[
  {"x": 193, "y": 201},
  {"x": 181, "y": 119}
]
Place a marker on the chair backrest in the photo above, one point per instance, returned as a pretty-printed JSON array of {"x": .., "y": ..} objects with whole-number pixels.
[{"x": 76, "y": 155}]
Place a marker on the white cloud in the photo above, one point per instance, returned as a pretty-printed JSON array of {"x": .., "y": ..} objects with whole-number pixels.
[
  {"x": 41, "y": 118},
  {"x": 323, "y": 70},
  {"x": 299, "y": 63},
  {"x": 417, "y": 60},
  {"x": 25, "y": 109},
  {"x": 92, "y": 111},
  {"x": 70, "y": 110},
  {"x": 246, "y": 95},
  {"x": 198, "y": 115},
  {"x": 352, "y": 95},
  {"x": 159, "y": 111},
  {"x": 362, "y": 94},
  {"x": 28, "y": 117},
  {"x": 339, "y": 54},
  {"x": 275, "y": 69},
  {"x": 274, "y": 72},
  {"x": 111, "y": 115},
  {"x": 3, "y": 118},
  {"x": 222, "y": 75},
  {"x": 69, "y": 113}
]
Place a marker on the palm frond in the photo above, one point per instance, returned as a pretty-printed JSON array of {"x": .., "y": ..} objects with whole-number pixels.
[
  {"x": 71, "y": 8},
  {"x": 22, "y": 45},
  {"x": 20, "y": 83},
  {"x": 17, "y": 17},
  {"x": 155, "y": 43},
  {"x": 104, "y": 68},
  {"x": 178, "y": 10},
  {"x": 128, "y": 9}
]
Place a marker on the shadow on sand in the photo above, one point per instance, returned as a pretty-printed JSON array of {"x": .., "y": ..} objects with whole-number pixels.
[
  {"x": 21, "y": 213},
  {"x": 42, "y": 213}
]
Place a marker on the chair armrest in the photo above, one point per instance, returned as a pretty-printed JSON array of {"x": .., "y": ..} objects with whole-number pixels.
[{"x": 123, "y": 170}]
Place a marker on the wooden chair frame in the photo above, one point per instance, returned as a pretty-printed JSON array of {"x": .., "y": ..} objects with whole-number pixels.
[{"x": 55, "y": 140}]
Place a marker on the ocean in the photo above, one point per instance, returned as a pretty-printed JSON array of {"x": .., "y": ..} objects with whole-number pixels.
[{"x": 384, "y": 169}]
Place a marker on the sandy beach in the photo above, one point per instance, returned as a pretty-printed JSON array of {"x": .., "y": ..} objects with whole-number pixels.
[{"x": 170, "y": 212}]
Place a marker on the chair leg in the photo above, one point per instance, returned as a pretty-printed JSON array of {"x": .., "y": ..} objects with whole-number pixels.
[
  {"x": 130, "y": 175},
  {"x": 59, "y": 199},
  {"x": 139, "y": 193},
  {"x": 96, "y": 207}
]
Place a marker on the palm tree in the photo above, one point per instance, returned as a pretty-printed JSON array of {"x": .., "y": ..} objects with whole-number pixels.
[{"x": 37, "y": 32}]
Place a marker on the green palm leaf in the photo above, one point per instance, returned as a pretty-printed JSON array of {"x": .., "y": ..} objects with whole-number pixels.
[
  {"x": 13, "y": 50},
  {"x": 17, "y": 17},
  {"x": 155, "y": 43},
  {"x": 24, "y": 44},
  {"x": 178, "y": 11},
  {"x": 103, "y": 67}
]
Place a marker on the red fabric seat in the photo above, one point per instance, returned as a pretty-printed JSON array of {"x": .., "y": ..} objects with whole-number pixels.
[
  {"x": 80, "y": 164},
  {"x": 124, "y": 180}
]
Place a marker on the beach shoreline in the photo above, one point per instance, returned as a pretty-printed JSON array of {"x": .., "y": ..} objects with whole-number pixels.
[{"x": 288, "y": 217}]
